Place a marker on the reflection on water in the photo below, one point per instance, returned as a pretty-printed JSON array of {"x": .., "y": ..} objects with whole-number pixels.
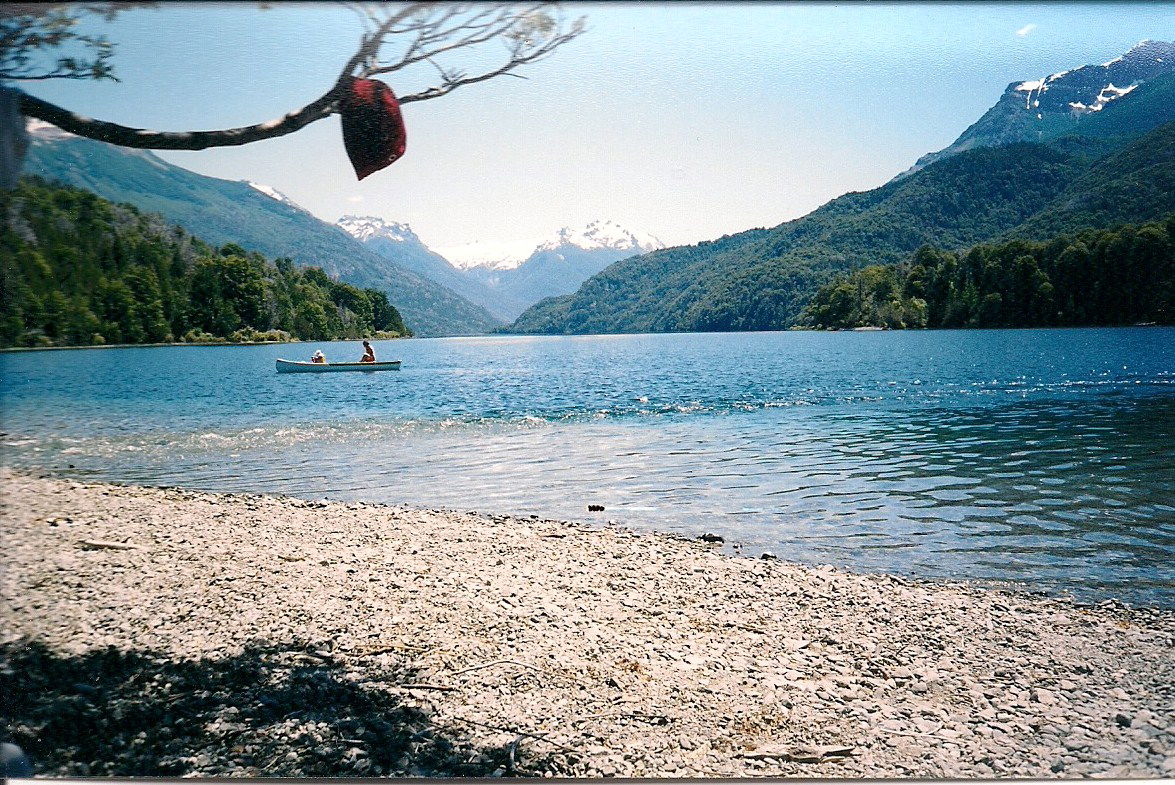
[{"x": 1052, "y": 468}]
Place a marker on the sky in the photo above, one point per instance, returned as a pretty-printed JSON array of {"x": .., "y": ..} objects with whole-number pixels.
[{"x": 686, "y": 121}]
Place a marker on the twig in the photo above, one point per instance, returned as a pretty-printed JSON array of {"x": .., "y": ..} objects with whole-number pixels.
[
  {"x": 492, "y": 664},
  {"x": 653, "y": 718},
  {"x": 114, "y": 546},
  {"x": 389, "y": 649},
  {"x": 511, "y": 752},
  {"x": 746, "y": 627},
  {"x": 528, "y": 734},
  {"x": 535, "y": 668},
  {"x": 930, "y": 735},
  {"x": 422, "y": 686}
]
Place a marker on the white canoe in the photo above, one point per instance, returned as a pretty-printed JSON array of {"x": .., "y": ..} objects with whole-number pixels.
[{"x": 295, "y": 366}]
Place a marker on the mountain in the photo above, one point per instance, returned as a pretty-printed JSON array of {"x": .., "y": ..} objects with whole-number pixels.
[
  {"x": 1132, "y": 185},
  {"x": 1088, "y": 101},
  {"x": 249, "y": 215},
  {"x": 397, "y": 243},
  {"x": 559, "y": 265},
  {"x": 79, "y": 270},
  {"x": 761, "y": 279},
  {"x": 505, "y": 278}
]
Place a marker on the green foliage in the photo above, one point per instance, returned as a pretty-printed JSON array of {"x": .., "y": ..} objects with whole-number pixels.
[
  {"x": 762, "y": 279},
  {"x": 1113, "y": 276},
  {"x": 78, "y": 270},
  {"x": 227, "y": 211},
  {"x": 43, "y": 43}
]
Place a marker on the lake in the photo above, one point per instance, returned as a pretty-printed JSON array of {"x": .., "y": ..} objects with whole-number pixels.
[{"x": 1041, "y": 457}]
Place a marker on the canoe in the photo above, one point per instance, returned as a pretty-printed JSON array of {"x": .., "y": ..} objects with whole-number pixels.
[{"x": 295, "y": 366}]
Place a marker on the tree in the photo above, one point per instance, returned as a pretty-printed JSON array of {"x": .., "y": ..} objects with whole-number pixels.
[{"x": 448, "y": 36}]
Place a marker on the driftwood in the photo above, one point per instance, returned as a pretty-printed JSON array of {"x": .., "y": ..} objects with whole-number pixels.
[
  {"x": 798, "y": 754},
  {"x": 542, "y": 736},
  {"x": 110, "y": 545},
  {"x": 423, "y": 686}
]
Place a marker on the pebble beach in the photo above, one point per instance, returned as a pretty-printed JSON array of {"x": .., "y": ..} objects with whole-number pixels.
[{"x": 170, "y": 632}]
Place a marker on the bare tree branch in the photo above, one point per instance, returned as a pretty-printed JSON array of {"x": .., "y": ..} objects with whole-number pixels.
[{"x": 436, "y": 29}]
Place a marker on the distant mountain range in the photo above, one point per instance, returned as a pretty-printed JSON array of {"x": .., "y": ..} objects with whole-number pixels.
[
  {"x": 507, "y": 286},
  {"x": 434, "y": 296},
  {"x": 253, "y": 216},
  {"x": 1088, "y": 148},
  {"x": 559, "y": 265},
  {"x": 1085, "y": 148}
]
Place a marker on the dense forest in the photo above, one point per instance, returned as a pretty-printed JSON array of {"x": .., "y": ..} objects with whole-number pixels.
[
  {"x": 762, "y": 279},
  {"x": 79, "y": 270},
  {"x": 1123, "y": 275}
]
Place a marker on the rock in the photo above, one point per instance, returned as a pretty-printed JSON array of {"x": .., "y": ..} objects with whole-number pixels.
[
  {"x": 768, "y": 555},
  {"x": 1043, "y": 696},
  {"x": 14, "y": 764},
  {"x": 708, "y": 537}
]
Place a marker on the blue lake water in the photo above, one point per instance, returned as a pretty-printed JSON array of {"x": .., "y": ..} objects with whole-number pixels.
[{"x": 1043, "y": 457}]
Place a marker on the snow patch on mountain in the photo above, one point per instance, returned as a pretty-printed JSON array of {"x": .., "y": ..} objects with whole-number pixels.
[
  {"x": 39, "y": 129},
  {"x": 366, "y": 227},
  {"x": 1107, "y": 94},
  {"x": 272, "y": 193}
]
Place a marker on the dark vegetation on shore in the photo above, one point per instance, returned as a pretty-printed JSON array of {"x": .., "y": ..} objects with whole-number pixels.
[
  {"x": 1124, "y": 275},
  {"x": 78, "y": 270}
]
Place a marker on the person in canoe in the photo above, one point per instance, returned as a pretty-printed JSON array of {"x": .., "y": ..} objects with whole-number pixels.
[
  {"x": 318, "y": 357},
  {"x": 368, "y": 353}
]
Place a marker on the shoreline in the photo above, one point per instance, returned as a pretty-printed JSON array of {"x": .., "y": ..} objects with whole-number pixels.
[
  {"x": 15, "y": 349},
  {"x": 520, "y": 645}
]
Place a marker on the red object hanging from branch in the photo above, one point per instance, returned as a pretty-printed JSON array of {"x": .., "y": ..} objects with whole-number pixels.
[{"x": 373, "y": 129}]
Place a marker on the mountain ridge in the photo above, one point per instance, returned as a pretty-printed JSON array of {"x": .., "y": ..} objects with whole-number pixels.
[
  {"x": 1084, "y": 101},
  {"x": 555, "y": 266},
  {"x": 761, "y": 279},
  {"x": 235, "y": 211}
]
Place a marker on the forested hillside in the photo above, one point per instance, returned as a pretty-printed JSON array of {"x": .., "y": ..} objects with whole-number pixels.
[
  {"x": 76, "y": 269},
  {"x": 228, "y": 211},
  {"x": 762, "y": 279},
  {"x": 1118, "y": 276}
]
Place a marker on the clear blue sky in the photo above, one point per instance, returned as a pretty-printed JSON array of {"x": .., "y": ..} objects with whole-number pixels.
[{"x": 688, "y": 121}]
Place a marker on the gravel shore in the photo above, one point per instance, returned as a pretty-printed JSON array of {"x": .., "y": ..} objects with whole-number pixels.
[{"x": 170, "y": 632}]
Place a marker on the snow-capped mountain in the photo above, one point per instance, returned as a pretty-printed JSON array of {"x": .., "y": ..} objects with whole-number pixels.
[
  {"x": 603, "y": 235},
  {"x": 1125, "y": 96},
  {"x": 558, "y": 265},
  {"x": 505, "y": 277},
  {"x": 252, "y": 216},
  {"x": 398, "y": 243},
  {"x": 366, "y": 227},
  {"x": 511, "y": 254},
  {"x": 273, "y": 193},
  {"x": 491, "y": 254}
]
